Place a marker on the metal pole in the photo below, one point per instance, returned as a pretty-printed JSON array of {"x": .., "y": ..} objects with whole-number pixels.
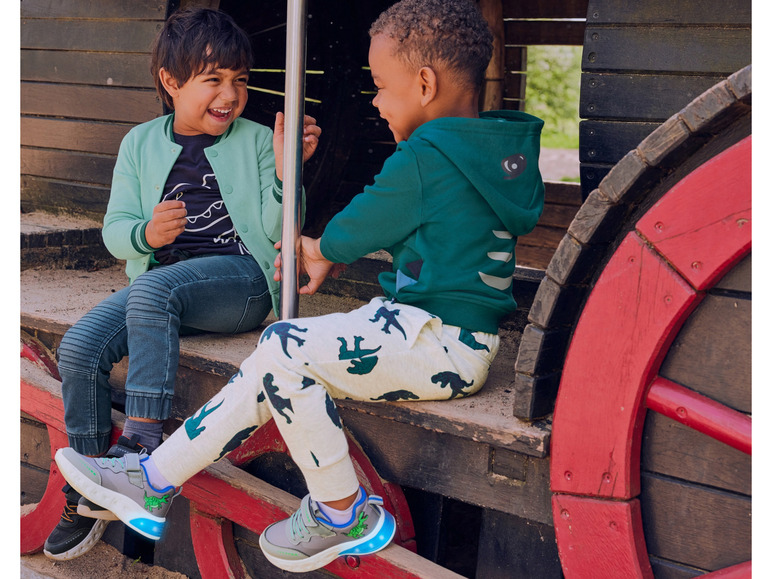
[{"x": 294, "y": 112}]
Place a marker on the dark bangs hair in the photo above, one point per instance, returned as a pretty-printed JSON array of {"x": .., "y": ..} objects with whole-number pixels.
[{"x": 193, "y": 41}]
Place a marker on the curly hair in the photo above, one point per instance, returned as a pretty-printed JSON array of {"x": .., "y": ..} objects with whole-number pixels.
[
  {"x": 193, "y": 41},
  {"x": 439, "y": 33}
]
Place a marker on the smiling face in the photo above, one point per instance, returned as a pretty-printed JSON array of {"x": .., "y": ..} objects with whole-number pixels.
[
  {"x": 209, "y": 102},
  {"x": 400, "y": 94}
]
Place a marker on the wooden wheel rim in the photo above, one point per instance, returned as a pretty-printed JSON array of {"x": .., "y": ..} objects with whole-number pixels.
[{"x": 656, "y": 277}]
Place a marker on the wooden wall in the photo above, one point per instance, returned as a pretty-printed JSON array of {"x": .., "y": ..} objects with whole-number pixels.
[
  {"x": 645, "y": 61},
  {"x": 85, "y": 81}
]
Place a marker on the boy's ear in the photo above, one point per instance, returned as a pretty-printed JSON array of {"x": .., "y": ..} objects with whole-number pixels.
[
  {"x": 427, "y": 79},
  {"x": 169, "y": 82}
]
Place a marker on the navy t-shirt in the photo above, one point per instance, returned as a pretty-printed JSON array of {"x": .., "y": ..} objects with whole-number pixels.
[{"x": 209, "y": 229}]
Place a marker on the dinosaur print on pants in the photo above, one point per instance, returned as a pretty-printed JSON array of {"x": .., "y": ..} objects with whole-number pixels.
[
  {"x": 454, "y": 381},
  {"x": 282, "y": 330}
]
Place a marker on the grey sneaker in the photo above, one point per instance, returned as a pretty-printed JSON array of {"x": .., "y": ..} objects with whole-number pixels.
[
  {"x": 119, "y": 485},
  {"x": 123, "y": 446},
  {"x": 308, "y": 541}
]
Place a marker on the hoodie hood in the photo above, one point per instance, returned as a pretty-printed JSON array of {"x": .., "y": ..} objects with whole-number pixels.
[{"x": 499, "y": 154}]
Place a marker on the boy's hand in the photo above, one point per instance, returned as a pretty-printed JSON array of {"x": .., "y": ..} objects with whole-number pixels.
[
  {"x": 168, "y": 221},
  {"x": 311, "y": 134},
  {"x": 310, "y": 262}
]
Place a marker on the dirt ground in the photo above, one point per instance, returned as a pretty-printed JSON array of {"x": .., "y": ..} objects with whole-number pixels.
[{"x": 103, "y": 561}]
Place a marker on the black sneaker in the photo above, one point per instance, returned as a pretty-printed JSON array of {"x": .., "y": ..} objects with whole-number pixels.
[
  {"x": 123, "y": 446},
  {"x": 73, "y": 535},
  {"x": 83, "y": 523}
]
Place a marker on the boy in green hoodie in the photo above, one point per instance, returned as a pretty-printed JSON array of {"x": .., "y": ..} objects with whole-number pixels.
[{"x": 448, "y": 205}]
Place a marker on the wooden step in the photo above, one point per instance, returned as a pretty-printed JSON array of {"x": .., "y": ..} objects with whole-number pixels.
[{"x": 62, "y": 241}]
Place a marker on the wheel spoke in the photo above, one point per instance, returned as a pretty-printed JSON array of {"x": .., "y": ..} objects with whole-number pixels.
[{"x": 700, "y": 413}]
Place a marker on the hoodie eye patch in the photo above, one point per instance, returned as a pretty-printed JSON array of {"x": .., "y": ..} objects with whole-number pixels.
[{"x": 513, "y": 165}]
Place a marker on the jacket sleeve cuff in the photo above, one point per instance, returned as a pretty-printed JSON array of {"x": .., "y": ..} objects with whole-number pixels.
[
  {"x": 138, "y": 241},
  {"x": 278, "y": 188}
]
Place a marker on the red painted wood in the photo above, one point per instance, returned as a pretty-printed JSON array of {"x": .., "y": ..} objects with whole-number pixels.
[
  {"x": 216, "y": 554},
  {"x": 700, "y": 413},
  {"x": 626, "y": 327},
  {"x": 600, "y": 538},
  {"x": 35, "y": 353},
  {"x": 628, "y": 322},
  {"x": 703, "y": 224},
  {"x": 741, "y": 571},
  {"x": 38, "y": 524},
  {"x": 216, "y": 498}
]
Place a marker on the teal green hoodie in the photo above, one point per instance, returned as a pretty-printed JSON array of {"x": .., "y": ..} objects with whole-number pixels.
[{"x": 449, "y": 205}]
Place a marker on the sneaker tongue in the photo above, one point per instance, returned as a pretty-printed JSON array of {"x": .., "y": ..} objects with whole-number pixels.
[{"x": 307, "y": 509}]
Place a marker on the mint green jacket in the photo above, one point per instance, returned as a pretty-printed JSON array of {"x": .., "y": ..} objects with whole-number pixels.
[{"x": 244, "y": 164}]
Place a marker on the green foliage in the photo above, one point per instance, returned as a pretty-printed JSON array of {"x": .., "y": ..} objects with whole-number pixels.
[{"x": 552, "y": 93}]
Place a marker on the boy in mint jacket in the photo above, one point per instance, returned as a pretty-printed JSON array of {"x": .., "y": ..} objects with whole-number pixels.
[
  {"x": 448, "y": 205},
  {"x": 194, "y": 210}
]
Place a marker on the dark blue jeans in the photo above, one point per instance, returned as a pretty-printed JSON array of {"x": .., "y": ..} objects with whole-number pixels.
[{"x": 225, "y": 294}]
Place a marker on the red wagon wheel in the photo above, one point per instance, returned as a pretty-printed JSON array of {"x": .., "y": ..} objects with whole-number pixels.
[{"x": 656, "y": 277}]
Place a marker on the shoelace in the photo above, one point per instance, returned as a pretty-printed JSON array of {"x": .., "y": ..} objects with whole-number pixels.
[
  {"x": 298, "y": 529},
  {"x": 69, "y": 510}
]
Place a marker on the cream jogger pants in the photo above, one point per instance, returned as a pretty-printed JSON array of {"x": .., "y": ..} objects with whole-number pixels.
[{"x": 381, "y": 351}]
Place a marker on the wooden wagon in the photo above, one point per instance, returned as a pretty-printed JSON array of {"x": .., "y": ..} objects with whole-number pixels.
[{"x": 613, "y": 438}]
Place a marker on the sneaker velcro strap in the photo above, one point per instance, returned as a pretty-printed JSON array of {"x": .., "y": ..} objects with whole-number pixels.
[{"x": 133, "y": 470}]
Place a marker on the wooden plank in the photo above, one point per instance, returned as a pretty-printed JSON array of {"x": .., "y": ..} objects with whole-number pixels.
[
  {"x": 668, "y": 12},
  {"x": 92, "y": 35},
  {"x": 142, "y": 9},
  {"x": 659, "y": 49},
  {"x": 674, "y": 450},
  {"x": 591, "y": 176},
  {"x": 668, "y": 570},
  {"x": 552, "y": 32},
  {"x": 541, "y": 236},
  {"x": 86, "y": 136},
  {"x": 562, "y": 193},
  {"x": 643, "y": 97},
  {"x": 545, "y": 9},
  {"x": 101, "y": 69},
  {"x": 516, "y": 58},
  {"x": 558, "y": 215},
  {"x": 738, "y": 279},
  {"x": 34, "y": 448},
  {"x": 451, "y": 466},
  {"x": 510, "y": 546},
  {"x": 82, "y": 167},
  {"x": 604, "y": 141},
  {"x": 697, "y": 526},
  {"x": 104, "y": 103},
  {"x": 712, "y": 353},
  {"x": 54, "y": 196},
  {"x": 32, "y": 483}
]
